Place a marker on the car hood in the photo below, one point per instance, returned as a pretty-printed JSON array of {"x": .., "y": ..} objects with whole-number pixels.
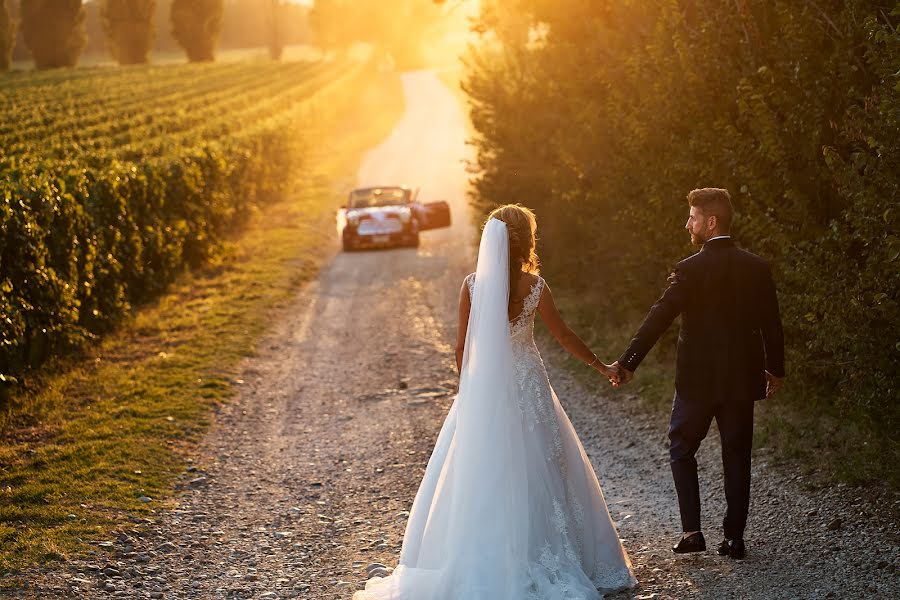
[{"x": 378, "y": 212}]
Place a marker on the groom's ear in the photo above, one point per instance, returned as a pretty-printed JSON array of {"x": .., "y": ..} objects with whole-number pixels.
[{"x": 712, "y": 221}]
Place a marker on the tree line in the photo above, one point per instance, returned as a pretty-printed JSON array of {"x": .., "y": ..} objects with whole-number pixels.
[
  {"x": 55, "y": 33},
  {"x": 602, "y": 115}
]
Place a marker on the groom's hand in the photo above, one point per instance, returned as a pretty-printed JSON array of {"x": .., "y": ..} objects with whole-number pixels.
[
  {"x": 773, "y": 384},
  {"x": 614, "y": 374},
  {"x": 624, "y": 375}
]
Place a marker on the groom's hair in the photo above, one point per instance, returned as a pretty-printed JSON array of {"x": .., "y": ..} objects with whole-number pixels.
[{"x": 714, "y": 202}]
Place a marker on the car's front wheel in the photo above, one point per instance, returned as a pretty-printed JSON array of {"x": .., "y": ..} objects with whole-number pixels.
[{"x": 346, "y": 245}]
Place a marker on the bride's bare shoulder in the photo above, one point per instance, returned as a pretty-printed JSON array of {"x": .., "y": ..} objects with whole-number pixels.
[{"x": 530, "y": 279}]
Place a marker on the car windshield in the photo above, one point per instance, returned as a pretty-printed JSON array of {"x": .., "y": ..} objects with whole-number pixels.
[{"x": 378, "y": 197}]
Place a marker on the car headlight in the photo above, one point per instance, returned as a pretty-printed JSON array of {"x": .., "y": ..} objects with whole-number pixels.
[
  {"x": 353, "y": 220},
  {"x": 405, "y": 217}
]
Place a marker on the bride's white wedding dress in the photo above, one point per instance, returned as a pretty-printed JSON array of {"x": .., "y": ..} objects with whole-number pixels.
[{"x": 509, "y": 507}]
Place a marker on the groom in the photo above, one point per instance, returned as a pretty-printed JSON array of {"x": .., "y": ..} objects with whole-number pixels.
[{"x": 730, "y": 353}]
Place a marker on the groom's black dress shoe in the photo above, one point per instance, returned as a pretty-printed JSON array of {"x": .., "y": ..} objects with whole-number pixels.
[
  {"x": 692, "y": 543},
  {"x": 732, "y": 548}
]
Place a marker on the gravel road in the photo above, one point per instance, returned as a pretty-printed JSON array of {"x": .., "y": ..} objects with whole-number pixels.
[{"x": 307, "y": 476}]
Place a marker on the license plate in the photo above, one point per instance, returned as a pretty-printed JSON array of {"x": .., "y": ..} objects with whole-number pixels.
[{"x": 381, "y": 239}]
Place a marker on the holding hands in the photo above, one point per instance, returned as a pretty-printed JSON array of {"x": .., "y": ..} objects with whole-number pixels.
[
  {"x": 622, "y": 375},
  {"x": 616, "y": 373}
]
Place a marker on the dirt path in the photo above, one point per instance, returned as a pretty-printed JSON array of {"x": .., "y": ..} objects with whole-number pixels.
[{"x": 307, "y": 476}]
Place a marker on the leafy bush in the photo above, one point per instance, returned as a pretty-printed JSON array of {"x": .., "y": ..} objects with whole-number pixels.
[{"x": 603, "y": 115}]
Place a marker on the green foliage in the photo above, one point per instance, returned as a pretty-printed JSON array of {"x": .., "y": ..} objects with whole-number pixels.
[
  {"x": 7, "y": 35},
  {"x": 196, "y": 25},
  {"x": 106, "y": 202},
  {"x": 603, "y": 115},
  {"x": 129, "y": 29},
  {"x": 54, "y": 31}
]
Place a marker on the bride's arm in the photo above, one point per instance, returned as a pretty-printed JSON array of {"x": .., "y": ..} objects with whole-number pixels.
[
  {"x": 565, "y": 336},
  {"x": 464, "y": 306}
]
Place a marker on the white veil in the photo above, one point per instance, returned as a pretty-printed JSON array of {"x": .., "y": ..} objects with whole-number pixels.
[{"x": 489, "y": 510}]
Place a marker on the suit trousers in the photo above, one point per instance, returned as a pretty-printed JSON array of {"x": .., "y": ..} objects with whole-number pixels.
[{"x": 687, "y": 428}]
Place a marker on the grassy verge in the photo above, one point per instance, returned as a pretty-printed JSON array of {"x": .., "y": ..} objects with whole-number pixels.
[
  {"x": 92, "y": 438},
  {"x": 794, "y": 428}
]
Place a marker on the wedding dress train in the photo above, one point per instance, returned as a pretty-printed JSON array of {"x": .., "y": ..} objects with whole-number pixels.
[{"x": 509, "y": 507}]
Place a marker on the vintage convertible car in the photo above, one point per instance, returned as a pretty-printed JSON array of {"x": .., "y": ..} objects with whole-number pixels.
[{"x": 388, "y": 216}]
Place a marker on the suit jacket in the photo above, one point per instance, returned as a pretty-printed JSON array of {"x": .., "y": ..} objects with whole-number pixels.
[{"x": 730, "y": 330}]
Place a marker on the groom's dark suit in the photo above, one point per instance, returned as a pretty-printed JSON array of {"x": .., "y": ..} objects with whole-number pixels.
[{"x": 730, "y": 335}]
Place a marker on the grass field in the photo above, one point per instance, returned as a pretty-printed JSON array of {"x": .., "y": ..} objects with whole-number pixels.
[
  {"x": 147, "y": 112},
  {"x": 91, "y": 439}
]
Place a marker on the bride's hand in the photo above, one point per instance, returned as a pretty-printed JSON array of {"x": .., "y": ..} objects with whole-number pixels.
[{"x": 609, "y": 371}]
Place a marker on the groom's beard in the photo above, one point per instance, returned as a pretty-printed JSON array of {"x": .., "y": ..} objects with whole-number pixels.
[{"x": 698, "y": 239}]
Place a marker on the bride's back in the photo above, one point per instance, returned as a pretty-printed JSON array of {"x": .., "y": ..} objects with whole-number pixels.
[{"x": 518, "y": 295}]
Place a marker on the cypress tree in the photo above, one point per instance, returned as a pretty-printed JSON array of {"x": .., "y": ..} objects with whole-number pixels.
[
  {"x": 54, "y": 31},
  {"x": 196, "y": 25},
  {"x": 7, "y": 35},
  {"x": 273, "y": 27},
  {"x": 128, "y": 25}
]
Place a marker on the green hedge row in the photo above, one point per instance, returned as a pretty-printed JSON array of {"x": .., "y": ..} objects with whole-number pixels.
[
  {"x": 78, "y": 247},
  {"x": 603, "y": 115},
  {"x": 81, "y": 244}
]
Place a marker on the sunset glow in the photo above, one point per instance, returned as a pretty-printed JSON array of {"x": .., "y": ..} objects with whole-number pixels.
[{"x": 449, "y": 299}]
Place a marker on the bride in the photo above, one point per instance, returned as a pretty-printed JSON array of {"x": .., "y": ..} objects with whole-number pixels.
[{"x": 509, "y": 507}]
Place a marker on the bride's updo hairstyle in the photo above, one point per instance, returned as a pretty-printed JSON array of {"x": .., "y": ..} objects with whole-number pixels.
[{"x": 520, "y": 226}]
